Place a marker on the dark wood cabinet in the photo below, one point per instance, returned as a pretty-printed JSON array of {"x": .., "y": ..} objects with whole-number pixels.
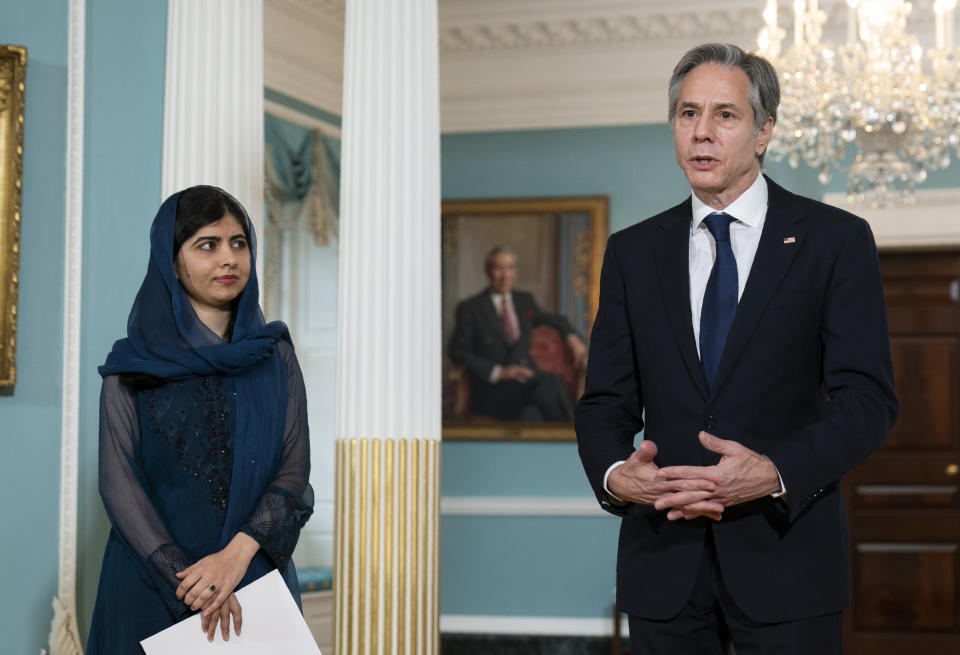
[{"x": 904, "y": 501}]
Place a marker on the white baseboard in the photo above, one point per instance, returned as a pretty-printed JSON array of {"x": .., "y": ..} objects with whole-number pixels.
[
  {"x": 529, "y": 625},
  {"x": 520, "y": 506}
]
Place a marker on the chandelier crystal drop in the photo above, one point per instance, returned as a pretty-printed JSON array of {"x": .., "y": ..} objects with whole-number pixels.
[{"x": 873, "y": 93}]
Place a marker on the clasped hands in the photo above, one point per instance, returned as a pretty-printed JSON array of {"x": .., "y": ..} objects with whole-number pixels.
[
  {"x": 208, "y": 585},
  {"x": 687, "y": 492}
]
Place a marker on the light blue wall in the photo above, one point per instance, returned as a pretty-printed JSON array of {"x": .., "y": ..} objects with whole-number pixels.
[
  {"x": 489, "y": 565},
  {"x": 555, "y": 566},
  {"x": 123, "y": 140},
  {"x": 541, "y": 566},
  {"x": 30, "y": 415}
]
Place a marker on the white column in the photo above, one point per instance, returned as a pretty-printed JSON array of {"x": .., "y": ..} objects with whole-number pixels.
[
  {"x": 64, "y": 638},
  {"x": 213, "y": 100},
  {"x": 388, "y": 365}
]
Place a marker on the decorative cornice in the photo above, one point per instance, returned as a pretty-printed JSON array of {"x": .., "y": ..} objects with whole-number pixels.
[
  {"x": 526, "y": 64},
  {"x": 600, "y": 30}
]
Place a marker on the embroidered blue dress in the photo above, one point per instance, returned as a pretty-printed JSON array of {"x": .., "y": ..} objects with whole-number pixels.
[
  {"x": 166, "y": 470},
  {"x": 200, "y": 439}
]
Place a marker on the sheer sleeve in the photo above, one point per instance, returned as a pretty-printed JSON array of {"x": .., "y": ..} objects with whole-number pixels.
[
  {"x": 287, "y": 502},
  {"x": 123, "y": 489}
]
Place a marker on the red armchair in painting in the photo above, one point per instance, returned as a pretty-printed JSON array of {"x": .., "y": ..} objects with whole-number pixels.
[{"x": 549, "y": 352}]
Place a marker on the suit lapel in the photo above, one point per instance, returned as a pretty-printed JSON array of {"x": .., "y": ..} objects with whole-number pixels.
[
  {"x": 673, "y": 268},
  {"x": 773, "y": 259}
]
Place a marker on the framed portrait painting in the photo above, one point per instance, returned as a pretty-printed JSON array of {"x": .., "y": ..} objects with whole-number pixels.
[
  {"x": 13, "y": 64},
  {"x": 521, "y": 281}
]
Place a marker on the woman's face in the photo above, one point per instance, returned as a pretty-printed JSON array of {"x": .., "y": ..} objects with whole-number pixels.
[{"x": 213, "y": 264}]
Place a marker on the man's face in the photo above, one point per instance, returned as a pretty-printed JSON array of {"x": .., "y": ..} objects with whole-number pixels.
[
  {"x": 713, "y": 133},
  {"x": 502, "y": 272}
]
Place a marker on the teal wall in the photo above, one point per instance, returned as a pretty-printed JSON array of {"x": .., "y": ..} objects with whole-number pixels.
[
  {"x": 122, "y": 164},
  {"x": 489, "y": 565},
  {"x": 30, "y": 414},
  {"x": 541, "y": 566},
  {"x": 555, "y": 566}
]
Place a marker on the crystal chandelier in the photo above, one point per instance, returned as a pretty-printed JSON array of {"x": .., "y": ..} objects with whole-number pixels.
[{"x": 873, "y": 93}]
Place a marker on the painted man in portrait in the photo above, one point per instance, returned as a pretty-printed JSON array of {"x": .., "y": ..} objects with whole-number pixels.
[{"x": 491, "y": 341}]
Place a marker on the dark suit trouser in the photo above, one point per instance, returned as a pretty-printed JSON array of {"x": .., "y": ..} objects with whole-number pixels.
[
  {"x": 542, "y": 398},
  {"x": 711, "y": 621}
]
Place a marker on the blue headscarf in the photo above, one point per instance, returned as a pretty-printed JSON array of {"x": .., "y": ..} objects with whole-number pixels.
[{"x": 165, "y": 339}]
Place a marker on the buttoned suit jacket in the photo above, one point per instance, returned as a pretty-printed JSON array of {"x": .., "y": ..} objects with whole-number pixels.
[
  {"x": 805, "y": 378},
  {"x": 480, "y": 342}
]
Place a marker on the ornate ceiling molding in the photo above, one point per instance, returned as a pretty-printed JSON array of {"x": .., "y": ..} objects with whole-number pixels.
[
  {"x": 599, "y": 30},
  {"x": 522, "y": 64}
]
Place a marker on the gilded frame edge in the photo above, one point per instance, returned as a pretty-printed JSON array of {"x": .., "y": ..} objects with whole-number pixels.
[
  {"x": 599, "y": 209},
  {"x": 13, "y": 68}
]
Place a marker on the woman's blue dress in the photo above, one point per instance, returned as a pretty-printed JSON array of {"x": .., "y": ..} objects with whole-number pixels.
[{"x": 166, "y": 463}]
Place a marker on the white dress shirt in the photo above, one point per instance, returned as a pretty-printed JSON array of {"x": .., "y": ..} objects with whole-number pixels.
[{"x": 749, "y": 211}]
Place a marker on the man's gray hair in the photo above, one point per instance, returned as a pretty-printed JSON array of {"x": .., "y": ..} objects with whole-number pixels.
[
  {"x": 497, "y": 250},
  {"x": 764, "y": 93}
]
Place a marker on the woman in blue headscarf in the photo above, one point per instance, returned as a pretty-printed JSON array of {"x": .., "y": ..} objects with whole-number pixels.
[{"x": 204, "y": 446}]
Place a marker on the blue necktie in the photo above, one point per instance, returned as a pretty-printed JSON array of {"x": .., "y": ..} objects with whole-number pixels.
[{"x": 720, "y": 298}]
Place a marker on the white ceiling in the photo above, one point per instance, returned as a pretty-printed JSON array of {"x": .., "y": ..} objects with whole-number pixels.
[{"x": 522, "y": 64}]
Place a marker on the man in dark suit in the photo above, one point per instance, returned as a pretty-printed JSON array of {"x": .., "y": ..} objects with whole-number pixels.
[
  {"x": 491, "y": 340},
  {"x": 745, "y": 332}
]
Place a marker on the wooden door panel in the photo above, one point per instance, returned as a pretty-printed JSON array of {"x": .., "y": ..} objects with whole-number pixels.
[
  {"x": 906, "y": 587},
  {"x": 936, "y": 526},
  {"x": 882, "y": 643},
  {"x": 925, "y": 369},
  {"x": 936, "y": 289},
  {"x": 904, "y": 501}
]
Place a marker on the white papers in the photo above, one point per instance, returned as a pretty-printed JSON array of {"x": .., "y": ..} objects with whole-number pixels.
[{"x": 272, "y": 623}]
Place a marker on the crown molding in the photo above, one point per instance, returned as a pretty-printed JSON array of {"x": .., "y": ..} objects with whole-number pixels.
[
  {"x": 557, "y": 29},
  {"x": 523, "y": 64}
]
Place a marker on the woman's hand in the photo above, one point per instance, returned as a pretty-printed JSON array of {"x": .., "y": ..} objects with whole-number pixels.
[
  {"x": 209, "y": 582},
  {"x": 209, "y": 623}
]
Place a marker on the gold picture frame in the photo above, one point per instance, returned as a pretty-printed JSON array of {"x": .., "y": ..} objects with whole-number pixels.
[
  {"x": 13, "y": 68},
  {"x": 579, "y": 227}
]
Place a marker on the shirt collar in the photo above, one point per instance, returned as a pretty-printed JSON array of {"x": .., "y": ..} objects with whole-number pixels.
[{"x": 750, "y": 208}]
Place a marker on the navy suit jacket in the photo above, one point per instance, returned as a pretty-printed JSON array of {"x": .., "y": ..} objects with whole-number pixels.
[{"x": 805, "y": 378}]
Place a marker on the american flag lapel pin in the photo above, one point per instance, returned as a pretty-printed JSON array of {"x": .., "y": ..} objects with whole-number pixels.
[{"x": 790, "y": 240}]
